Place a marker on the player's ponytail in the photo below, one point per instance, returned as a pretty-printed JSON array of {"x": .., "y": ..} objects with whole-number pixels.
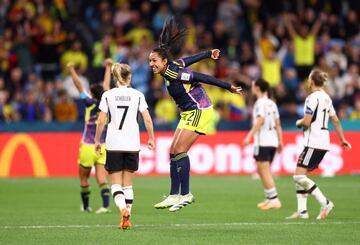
[
  {"x": 171, "y": 39},
  {"x": 318, "y": 77},
  {"x": 121, "y": 73}
]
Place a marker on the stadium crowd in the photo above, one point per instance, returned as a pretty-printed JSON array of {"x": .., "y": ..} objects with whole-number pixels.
[{"x": 280, "y": 40}]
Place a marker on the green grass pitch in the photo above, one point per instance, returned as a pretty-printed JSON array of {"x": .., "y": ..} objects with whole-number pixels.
[{"x": 46, "y": 211}]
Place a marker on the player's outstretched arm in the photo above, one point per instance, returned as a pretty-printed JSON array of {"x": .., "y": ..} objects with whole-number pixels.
[
  {"x": 214, "y": 54},
  {"x": 149, "y": 128},
  {"x": 335, "y": 120},
  {"x": 279, "y": 134},
  {"x": 107, "y": 76},
  {"x": 199, "y": 77},
  {"x": 257, "y": 125},
  {"x": 99, "y": 129},
  {"x": 75, "y": 77}
]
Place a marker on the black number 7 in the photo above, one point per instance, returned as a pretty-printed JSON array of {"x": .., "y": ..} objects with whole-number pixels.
[{"x": 124, "y": 115}]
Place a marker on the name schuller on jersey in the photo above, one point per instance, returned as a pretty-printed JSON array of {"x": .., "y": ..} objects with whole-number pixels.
[{"x": 122, "y": 98}]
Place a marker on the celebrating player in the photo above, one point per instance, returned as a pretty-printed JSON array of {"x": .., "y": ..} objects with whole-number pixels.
[
  {"x": 267, "y": 134},
  {"x": 196, "y": 109},
  {"x": 122, "y": 105},
  {"x": 87, "y": 156},
  {"x": 318, "y": 109}
]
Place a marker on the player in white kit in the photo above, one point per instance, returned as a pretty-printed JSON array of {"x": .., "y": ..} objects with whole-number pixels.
[
  {"x": 121, "y": 106},
  {"x": 318, "y": 109},
  {"x": 267, "y": 134}
]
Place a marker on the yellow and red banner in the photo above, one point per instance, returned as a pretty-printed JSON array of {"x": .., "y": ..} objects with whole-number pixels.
[{"x": 55, "y": 154}]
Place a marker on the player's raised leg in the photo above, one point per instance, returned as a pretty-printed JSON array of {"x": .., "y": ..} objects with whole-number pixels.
[
  {"x": 173, "y": 197},
  {"x": 181, "y": 144}
]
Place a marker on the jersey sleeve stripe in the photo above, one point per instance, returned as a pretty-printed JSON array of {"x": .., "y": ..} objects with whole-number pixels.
[{"x": 109, "y": 114}]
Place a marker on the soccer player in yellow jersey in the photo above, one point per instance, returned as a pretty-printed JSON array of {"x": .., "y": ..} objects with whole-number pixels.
[{"x": 87, "y": 156}]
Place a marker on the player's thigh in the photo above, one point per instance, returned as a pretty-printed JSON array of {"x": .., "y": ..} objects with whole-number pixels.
[
  {"x": 87, "y": 156},
  {"x": 310, "y": 158},
  {"x": 184, "y": 140},
  {"x": 84, "y": 174},
  {"x": 199, "y": 121}
]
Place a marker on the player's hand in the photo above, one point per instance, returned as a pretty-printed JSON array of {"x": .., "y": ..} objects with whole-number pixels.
[
  {"x": 215, "y": 53},
  {"x": 236, "y": 90},
  {"x": 247, "y": 140},
  {"x": 70, "y": 65},
  {"x": 298, "y": 123},
  {"x": 151, "y": 144},
  {"x": 346, "y": 144},
  {"x": 98, "y": 148},
  {"x": 280, "y": 147},
  {"x": 108, "y": 62}
]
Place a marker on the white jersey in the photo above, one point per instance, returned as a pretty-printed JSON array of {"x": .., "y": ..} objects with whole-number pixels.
[
  {"x": 266, "y": 135},
  {"x": 319, "y": 105},
  {"x": 122, "y": 105}
]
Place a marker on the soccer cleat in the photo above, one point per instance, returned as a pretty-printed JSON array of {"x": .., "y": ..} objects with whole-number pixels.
[
  {"x": 125, "y": 222},
  {"x": 324, "y": 211},
  {"x": 184, "y": 201},
  {"x": 88, "y": 209},
  {"x": 299, "y": 215},
  {"x": 263, "y": 203},
  {"x": 103, "y": 210},
  {"x": 271, "y": 204},
  {"x": 168, "y": 202}
]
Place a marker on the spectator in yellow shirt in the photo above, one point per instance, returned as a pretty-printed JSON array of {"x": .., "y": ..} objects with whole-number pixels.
[{"x": 76, "y": 56}]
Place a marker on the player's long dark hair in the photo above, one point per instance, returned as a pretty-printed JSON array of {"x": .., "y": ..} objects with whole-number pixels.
[
  {"x": 97, "y": 90},
  {"x": 171, "y": 39},
  {"x": 264, "y": 86}
]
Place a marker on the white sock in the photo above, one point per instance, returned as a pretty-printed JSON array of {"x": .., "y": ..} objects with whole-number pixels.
[
  {"x": 301, "y": 195},
  {"x": 311, "y": 188},
  {"x": 129, "y": 196},
  {"x": 271, "y": 194},
  {"x": 319, "y": 196},
  {"x": 118, "y": 195}
]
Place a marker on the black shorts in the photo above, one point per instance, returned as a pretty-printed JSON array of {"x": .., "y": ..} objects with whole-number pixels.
[
  {"x": 119, "y": 161},
  {"x": 264, "y": 153},
  {"x": 310, "y": 158}
]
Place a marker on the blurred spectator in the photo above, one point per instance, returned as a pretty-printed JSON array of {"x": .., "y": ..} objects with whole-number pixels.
[
  {"x": 5, "y": 108},
  {"x": 123, "y": 15},
  {"x": 75, "y": 55},
  {"x": 65, "y": 108},
  {"x": 103, "y": 49},
  {"x": 154, "y": 94},
  {"x": 69, "y": 87},
  {"x": 304, "y": 44},
  {"x": 141, "y": 72},
  {"x": 31, "y": 109},
  {"x": 165, "y": 110},
  {"x": 355, "y": 114},
  {"x": 159, "y": 18}
]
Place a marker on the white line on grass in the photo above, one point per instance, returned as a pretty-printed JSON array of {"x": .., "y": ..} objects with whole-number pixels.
[{"x": 180, "y": 225}]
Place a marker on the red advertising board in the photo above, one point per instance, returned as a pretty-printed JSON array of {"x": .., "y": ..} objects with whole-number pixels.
[{"x": 55, "y": 154}]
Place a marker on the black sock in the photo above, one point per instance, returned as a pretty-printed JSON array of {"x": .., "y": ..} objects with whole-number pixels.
[
  {"x": 105, "y": 194},
  {"x": 85, "y": 193}
]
